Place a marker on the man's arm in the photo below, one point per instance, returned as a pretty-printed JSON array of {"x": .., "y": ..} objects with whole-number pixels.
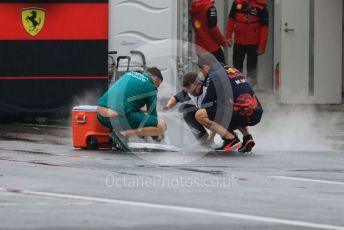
[
  {"x": 230, "y": 24},
  {"x": 151, "y": 104},
  {"x": 264, "y": 23},
  {"x": 171, "y": 103},
  {"x": 181, "y": 97},
  {"x": 214, "y": 29},
  {"x": 143, "y": 109}
]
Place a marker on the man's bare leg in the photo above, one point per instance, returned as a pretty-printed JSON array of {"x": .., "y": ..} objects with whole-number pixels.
[
  {"x": 248, "y": 142},
  {"x": 147, "y": 131},
  {"x": 244, "y": 131}
]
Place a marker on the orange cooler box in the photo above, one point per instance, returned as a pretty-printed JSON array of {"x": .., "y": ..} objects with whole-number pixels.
[{"x": 88, "y": 133}]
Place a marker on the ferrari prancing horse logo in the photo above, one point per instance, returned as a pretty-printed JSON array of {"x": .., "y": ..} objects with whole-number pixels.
[{"x": 33, "y": 20}]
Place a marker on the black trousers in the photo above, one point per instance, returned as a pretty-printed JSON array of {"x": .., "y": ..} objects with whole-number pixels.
[
  {"x": 196, "y": 128},
  {"x": 220, "y": 56},
  {"x": 239, "y": 54}
]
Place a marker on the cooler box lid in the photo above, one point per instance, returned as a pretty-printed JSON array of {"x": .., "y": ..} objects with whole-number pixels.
[{"x": 91, "y": 108}]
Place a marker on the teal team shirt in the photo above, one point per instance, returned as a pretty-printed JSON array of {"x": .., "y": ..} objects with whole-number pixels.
[
  {"x": 127, "y": 95},
  {"x": 130, "y": 93}
]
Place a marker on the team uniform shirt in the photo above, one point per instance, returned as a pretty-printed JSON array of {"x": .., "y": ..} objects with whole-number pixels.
[
  {"x": 204, "y": 21},
  {"x": 245, "y": 101},
  {"x": 218, "y": 98},
  {"x": 250, "y": 21},
  {"x": 130, "y": 93},
  {"x": 127, "y": 96},
  {"x": 237, "y": 100},
  {"x": 184, "y": 96}
]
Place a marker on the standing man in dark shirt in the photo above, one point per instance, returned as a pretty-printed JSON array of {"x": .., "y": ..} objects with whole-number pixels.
[
  {"x": 208, "y": 36},
  {"x": 249, "y": 20}
]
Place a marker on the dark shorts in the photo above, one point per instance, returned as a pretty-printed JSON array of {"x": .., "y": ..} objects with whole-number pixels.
[
  {"x": 196, "y": 128},
  {"x": 238, "y": 120},
  {"x": 133, "y": 120},
  {"x": 211, "y": 111}
]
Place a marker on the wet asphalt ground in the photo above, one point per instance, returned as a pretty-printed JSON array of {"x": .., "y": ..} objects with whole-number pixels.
[{"x": 47, "y": 184}]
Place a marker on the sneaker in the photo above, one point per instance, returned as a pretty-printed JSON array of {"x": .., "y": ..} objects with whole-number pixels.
[
  {"x": 247, "y": 144},
  {"x": 119, "y": 142},
  {"x": 229, "y": 145}
]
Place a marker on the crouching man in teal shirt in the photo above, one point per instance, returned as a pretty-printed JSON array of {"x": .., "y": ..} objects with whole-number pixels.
[{"x": 129, "y": 107}]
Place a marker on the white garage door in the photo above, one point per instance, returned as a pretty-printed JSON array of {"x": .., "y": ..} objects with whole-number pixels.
[
  {"x": 149, "y": 26},
  {"x": 311, "y": 51}
]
